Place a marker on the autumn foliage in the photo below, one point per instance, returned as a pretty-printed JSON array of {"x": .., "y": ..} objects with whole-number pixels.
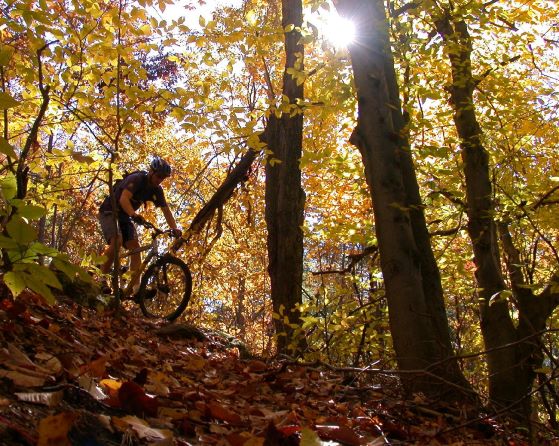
[{"x": 90, "y": 90}]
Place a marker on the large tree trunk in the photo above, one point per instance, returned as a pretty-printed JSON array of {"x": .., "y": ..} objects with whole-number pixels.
[
  {"x": 284, "y": 196},
  {"x": 511, "y": 369},
  {"x": 417, "y": 318}
]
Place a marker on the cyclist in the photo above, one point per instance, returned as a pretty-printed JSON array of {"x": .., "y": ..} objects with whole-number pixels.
[{"x": 130, "y": 193}]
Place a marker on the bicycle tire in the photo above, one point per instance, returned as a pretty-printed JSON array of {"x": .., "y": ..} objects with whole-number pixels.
[{"x": 172, "y": 306}]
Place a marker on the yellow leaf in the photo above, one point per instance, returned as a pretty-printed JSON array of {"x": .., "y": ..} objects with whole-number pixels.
[
  {"x": 251, "y": 17},
  {"x": 54, "y": 430},
  {"x": 309, "y": 437},
  {"x": 6, "y": 101}
]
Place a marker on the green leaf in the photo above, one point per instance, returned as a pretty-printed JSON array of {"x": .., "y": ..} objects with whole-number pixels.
[
  {"x": 39, "y": 287},
  {"x": 309, "y": 437},
  {"x": 61, "y": 264},
  {"x": 32, "y": 212},
  {"x": 39, "y": 248},
  {"x": 500, "y": 296},
  {"x": 8, "y": 243},
  {"x": 6, "y": 101},
  {"x": 6, "y": 53},
  {"x": 21, "y": 231},
  {"x": 41, "y": 273},
  {"x": 8, "y": 185},
  {"x": 6, "y": 148},
  {"x": 15, "y": 281}
]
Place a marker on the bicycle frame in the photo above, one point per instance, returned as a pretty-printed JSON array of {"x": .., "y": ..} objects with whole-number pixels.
[{"x": 152, "y": 252}]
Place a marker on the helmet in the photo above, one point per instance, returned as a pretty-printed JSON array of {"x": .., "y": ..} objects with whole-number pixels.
[{"x": 160, "y": 167}]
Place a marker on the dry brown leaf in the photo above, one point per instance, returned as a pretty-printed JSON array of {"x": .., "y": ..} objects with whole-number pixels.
[
  {"x": 50, "y": 363},
  {"x": 224, "y": 414},
  {"x": 98, "y": 367},
  {"x": 341, "y": 434},
  {"x": 161, "y": 437},
  {"x": 244, "y": 439},
  {"x": 195, "y": 363},
  {"x": 172, "y": 413},
  {"x": 53, "y": 430},
  {"x": 23, "y": 379},
  {"x": 256, "y": 366}
]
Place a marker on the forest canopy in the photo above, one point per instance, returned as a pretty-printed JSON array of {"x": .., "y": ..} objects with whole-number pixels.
[{"x": 91, "y": 89}]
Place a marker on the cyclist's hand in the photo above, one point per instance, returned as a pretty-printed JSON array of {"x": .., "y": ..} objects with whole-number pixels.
[
  {"x": 176, "y": 232},
  {"x": 137, "y": 218}
]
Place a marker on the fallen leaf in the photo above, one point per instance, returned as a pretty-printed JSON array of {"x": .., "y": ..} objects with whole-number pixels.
[
  {"x": 133, "y": 399},
  {"x": 172, "y": 413},
  {"x": 195, "y": 363},
  {"x": 53, "y": 430},
  {"x": 13, "y": 308},
  {"x": 111, "y": 384},
  {"x": 256, "y": 366},
  {"x": 23, "y": 379},
  {"x": 87, "y": 383},
  {"x": 224, "y": 414},
  {"x": 161, "y": 437},
  {"x": 340, "y": 434},
  {"x": 244, "y": 439},
  {"x": 142, "y": 377},
  {"x": 98, "y": 367},
  {"x": 50, "y": 362},
  {"x": 309, "y": 437}
]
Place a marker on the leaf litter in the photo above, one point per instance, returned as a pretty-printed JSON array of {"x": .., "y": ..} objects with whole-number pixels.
[{"x": 101, "y": 379}]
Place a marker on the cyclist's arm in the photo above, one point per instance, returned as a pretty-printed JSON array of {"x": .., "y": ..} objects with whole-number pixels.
[
  {"x": 169, "y": 217},
  {"x": 125, "y": 203}
]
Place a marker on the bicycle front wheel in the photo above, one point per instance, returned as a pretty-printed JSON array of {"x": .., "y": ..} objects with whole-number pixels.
[{"x": 165, "y": 288}]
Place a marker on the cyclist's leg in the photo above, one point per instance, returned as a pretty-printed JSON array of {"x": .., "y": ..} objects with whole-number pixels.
[
  {"x": 130, "y": 237},
  {"x": 112, "y": 237}
]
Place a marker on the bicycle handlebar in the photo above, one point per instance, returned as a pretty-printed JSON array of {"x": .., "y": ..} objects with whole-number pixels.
[{"x": 155, "y": 229}]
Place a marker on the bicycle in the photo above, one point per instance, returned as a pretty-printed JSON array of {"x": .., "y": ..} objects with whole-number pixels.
[{"x": 166, "y": 285}]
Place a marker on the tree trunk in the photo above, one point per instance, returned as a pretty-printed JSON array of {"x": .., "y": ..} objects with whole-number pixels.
[
  {"x": 284, "y": 196},
  {"x": 511, "y": 369},
  {"x": 417, "y": 318}
]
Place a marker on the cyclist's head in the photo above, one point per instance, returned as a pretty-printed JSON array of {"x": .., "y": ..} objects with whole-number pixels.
[{"x": 160, "y": 167}]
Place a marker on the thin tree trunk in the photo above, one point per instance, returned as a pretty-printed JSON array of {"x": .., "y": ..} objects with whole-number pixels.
[{"x": 284, "y": 196}]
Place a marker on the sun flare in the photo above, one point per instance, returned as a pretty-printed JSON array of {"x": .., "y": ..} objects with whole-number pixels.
[{"x": 339, "y": 31}]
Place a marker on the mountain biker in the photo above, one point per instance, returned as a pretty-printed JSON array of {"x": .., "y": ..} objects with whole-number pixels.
[{"x": 130, "y": 193}]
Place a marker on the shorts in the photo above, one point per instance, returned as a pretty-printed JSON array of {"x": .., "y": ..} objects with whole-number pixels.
[{"x": 125, "y": 227}]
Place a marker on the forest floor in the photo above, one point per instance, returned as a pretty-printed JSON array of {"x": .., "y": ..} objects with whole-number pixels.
[{"x": 73, "y": 376}]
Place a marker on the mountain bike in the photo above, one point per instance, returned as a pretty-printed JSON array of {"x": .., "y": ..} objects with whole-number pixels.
[{"x": 166, "y": 281}]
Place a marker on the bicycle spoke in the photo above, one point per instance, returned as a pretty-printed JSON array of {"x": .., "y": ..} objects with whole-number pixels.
[{"x": 166, "y": 288}]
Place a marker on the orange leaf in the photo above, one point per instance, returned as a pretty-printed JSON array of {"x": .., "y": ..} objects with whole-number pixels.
[
  {"x": 224, "y": 414},
  {"x": 53, "y": 430},
  {"x": 98, "y": 367}
]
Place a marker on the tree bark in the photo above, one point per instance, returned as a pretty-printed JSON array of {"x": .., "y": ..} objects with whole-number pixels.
[
  {"x": 284, "y": 196},
  {"x": 511, "y": 369},
  {"x": 417, "y": 318}
]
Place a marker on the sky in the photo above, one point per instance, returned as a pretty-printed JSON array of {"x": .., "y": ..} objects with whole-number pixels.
[{"x": 178, "y": 9}]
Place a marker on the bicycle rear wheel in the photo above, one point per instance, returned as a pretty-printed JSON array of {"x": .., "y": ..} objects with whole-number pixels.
[{"x": 165, "y": 288}]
